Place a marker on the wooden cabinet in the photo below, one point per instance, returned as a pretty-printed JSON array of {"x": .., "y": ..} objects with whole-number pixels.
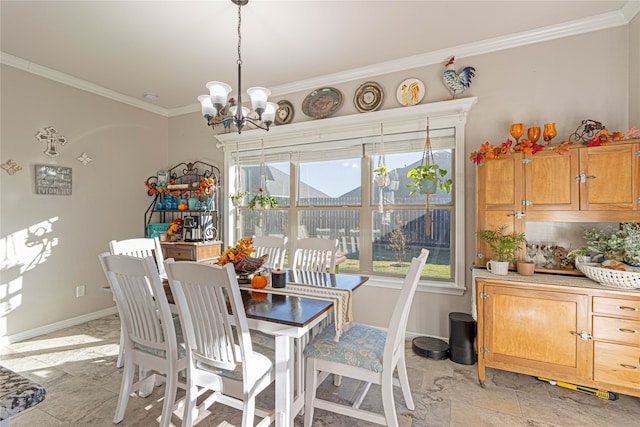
[
  {"x": 192, "y": 251},
  {"x": 582, "y": 335},
  {"x": 587, "y": 184}
]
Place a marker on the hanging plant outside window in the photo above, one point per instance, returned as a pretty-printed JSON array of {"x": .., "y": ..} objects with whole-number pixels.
[
  {"x": 381, "y": 177},
  {"x": 262, "y": 200}
]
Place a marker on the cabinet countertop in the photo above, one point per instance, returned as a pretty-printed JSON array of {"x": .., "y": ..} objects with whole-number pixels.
[{"x": 547, "y": 279}]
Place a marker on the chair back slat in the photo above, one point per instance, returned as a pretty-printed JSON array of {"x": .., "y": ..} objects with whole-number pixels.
[
  {"x": 400, "y": 316},
  {"x": 315, "y": 254},
  {"x": 141, "y": 301},
  {"x": 274, "y": 246},
  {"x": 212, "y": 313},
  {"x": 140, "y": 248}
]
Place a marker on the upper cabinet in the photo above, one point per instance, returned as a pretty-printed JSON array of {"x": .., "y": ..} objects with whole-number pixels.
[{"x": 587, "y": 184}]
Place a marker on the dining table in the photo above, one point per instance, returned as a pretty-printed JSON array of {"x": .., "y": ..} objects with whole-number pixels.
[{"x": 289, "y": 319}]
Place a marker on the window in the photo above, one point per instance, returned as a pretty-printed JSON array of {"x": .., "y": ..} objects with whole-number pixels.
[{"x": 324, "y": 187}]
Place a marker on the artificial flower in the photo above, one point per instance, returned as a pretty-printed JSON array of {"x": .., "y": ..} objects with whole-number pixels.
[
  {"x": 175, "y": 227},
  {"x": 234, "y": 254}
]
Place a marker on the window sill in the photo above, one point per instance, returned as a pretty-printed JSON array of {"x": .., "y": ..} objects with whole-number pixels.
[{"x": 423, "y": 285}]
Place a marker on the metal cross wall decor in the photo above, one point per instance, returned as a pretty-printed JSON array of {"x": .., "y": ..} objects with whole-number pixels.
[{"x": 52, "y": 138}]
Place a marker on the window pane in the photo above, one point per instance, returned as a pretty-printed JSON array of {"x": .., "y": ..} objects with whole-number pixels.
[
  {"x": 398, "y": 165},
  {"x": 270, "y": 222},
  {"x": 343, "y": 225},
  {"x": 275, "y": 177},
  {"x": 330, "y": 183},
  {"x": 399, "y": 235}
]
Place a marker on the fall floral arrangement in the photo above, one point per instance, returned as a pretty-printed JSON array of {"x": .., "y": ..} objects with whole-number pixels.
[
  {"x": 175, "y": 227},
  {"x": 489, "y": 151},
  {"x": 235, "y": 254}
]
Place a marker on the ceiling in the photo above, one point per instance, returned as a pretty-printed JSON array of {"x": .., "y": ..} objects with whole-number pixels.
[{"x": 172, "y": 48}]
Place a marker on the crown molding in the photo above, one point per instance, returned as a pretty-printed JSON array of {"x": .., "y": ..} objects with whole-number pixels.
[
  {"x": 48, "y": 73},
  {"x": 552, "y": 32}
]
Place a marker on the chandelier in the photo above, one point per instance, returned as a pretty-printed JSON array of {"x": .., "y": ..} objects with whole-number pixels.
[{"x": 214, "y": 103}]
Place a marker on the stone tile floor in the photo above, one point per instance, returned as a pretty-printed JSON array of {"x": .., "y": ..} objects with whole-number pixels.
[{"x": 77, "y": 367}]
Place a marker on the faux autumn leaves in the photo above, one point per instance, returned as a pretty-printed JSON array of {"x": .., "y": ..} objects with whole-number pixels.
[{"x": 488, "y": 151}]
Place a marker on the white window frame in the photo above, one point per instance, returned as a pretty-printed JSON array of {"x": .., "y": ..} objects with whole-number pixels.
[{"x": 365, "y": 127}]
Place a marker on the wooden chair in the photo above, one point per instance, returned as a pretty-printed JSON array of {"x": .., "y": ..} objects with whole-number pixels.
[
  {"x": 276, "y": 247},
  {"x": 141, "y": 248},
  {"x": 315, "y": 254},
  {"x": 367, "y": 354},
  {"x": 221, "y": 357},
  {"x": 149, "y": 332}
]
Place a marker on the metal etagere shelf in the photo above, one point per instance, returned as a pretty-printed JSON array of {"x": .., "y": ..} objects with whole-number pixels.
[{"x": 183, "y": 181}]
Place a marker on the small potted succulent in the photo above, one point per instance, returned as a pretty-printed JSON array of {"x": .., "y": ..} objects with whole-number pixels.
[{"x": 381, "y": 176}]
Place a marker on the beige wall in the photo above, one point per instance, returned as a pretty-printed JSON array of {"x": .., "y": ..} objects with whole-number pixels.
[
  {"x": 558, "y": 81},
  {"x": 49, "y": 244},
  {"x": 565, "y": 81},
  {"x": 634, "y": 72}
]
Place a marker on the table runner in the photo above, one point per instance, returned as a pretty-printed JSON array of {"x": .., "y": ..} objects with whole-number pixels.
[{"x": 341, "y": 298}]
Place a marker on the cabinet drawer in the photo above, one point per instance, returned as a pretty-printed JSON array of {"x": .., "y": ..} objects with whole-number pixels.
[
  {"x": 620, "y": 330},
  {"x": 180, "y": 253},
  {"x": 617, "y": 307},
  {"x": 617, "y": 364}
]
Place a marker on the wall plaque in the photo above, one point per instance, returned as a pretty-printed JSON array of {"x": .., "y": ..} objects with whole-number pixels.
[{"x": 53, "y": 180}]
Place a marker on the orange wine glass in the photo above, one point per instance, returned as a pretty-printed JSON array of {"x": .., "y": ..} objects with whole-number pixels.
[
  {"x": 549, "y": 132},
  {"x": 533, "y": 134},
  {"x": 516, "y": 130}
]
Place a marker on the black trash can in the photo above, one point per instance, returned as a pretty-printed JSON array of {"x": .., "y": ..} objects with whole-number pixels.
[{"x": 462, "y": 334}]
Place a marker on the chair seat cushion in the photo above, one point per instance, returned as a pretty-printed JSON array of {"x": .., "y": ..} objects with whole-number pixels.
[{"x": 361, "y": 346}]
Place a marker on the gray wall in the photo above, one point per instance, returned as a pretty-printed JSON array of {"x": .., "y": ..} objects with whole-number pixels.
[{"x": 50, "y": 243}]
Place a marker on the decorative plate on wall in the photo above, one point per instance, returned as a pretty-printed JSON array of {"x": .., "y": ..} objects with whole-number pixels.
[
  {"x": 284, "y": 115},
  {"x": 322, "y": 103},
  {"x": 410, "y": 92},
  {"x": 256, "y": 118},
  {"x": 368, "y": 97}
]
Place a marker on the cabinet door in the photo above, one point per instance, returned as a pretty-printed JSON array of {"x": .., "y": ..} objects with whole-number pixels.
[
  {"x": 498, "y": 199},
  {"x": 533, "y": 331},
  {"x": 612, "y": 176},
  {"x": 550, "y": 181}
]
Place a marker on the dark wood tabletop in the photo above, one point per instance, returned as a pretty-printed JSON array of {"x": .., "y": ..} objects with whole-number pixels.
[{"x": 293, "y": 310}]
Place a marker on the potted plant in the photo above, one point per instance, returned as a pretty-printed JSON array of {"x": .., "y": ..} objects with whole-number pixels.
[
  {"x": 381, "y": 176},
  {"x": 622, "y": 245},
  {"x": 504, "y": 247},
  {"x": 262, "y": 200},
  {"x": 237, "y": 198},
  {"x": 427, "y": 179}
]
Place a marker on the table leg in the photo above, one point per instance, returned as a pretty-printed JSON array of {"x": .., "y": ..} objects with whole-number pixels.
[{"x": 284, "y": 381}]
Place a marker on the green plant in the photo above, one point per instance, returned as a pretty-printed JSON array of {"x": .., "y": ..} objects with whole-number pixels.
[
  {"x": 503, "y": 245},
  {"x": 432, "y": 173},
  {"x": 381, "y": 170},
  {"x": 262, "y": 201},
  {"x": 622, "y": 244},
  {"x": 236, "y": 198}
]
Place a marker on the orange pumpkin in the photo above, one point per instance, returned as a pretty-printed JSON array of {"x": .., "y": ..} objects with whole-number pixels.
[
  {"x": 259, "y": 282},
  {"x": 183, "y": 207}
]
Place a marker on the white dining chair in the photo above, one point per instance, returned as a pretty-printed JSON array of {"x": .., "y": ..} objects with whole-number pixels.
[
  {"x": 221, "y": 357},
  {"x": 315, "y": 254},
  {"x": 151, "y": 338},
  {"x": 367, "y": 354},
  {"x": 141, "y": 248},
  {"x": 275, "y": 246}
]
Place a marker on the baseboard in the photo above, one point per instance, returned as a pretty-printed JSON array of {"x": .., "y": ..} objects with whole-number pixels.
[{"x": 32, "y": 333}]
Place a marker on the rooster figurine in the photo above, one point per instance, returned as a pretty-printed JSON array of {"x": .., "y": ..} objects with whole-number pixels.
[{"x": 457, "y": 82}]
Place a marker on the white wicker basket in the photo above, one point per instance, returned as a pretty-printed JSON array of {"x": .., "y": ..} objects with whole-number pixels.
[{"x": 609, "y": 277}]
